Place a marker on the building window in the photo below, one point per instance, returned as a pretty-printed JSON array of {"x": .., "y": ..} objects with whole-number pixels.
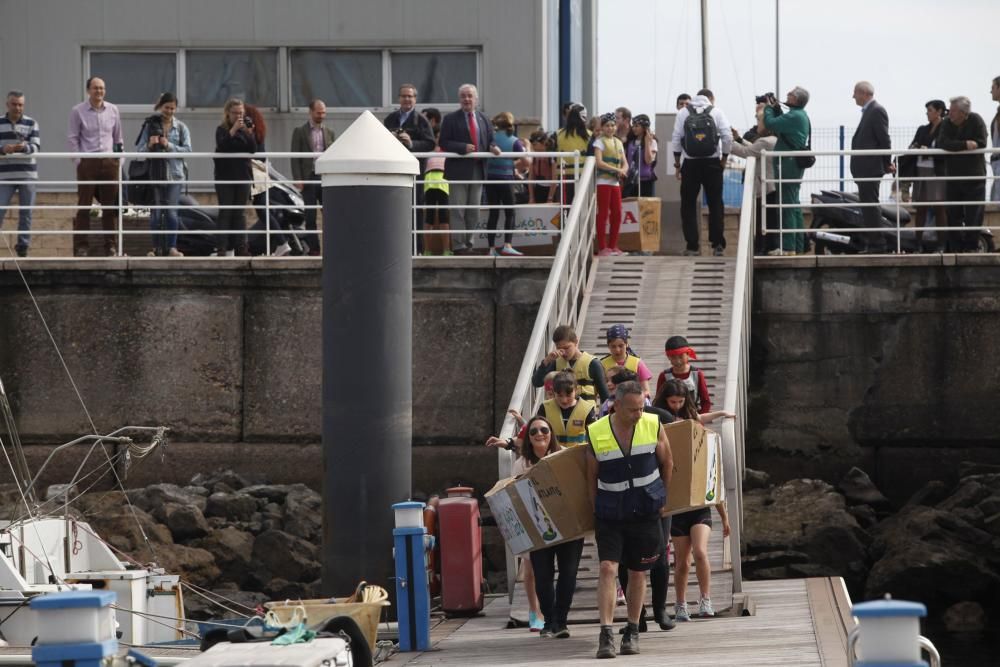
[
  {"x": 135, "y": 78},
  {"x": 339, "y": 78},
  {"x": 217, "y": 75},
  {"x": 437, "y": 75}
]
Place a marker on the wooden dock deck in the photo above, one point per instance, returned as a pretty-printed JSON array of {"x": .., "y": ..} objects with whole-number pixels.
[{"x": 796, "y": 623}]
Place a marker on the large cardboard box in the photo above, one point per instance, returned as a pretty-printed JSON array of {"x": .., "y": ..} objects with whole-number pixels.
[
  {"x": 547, "y": 505},
  {"x": 697, "y": 478},
  {"x": 640, "y": 228}
]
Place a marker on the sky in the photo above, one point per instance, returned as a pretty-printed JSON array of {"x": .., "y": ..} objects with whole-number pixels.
[{"x": 912, "y": 51}]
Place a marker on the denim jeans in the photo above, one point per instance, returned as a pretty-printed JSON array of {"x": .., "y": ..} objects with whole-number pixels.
[
  {"x": 165, "y": 219},
  {"x": 27, "y": 200}
]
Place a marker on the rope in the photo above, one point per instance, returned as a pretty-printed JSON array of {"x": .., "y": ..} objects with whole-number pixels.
[
  {"x": 153, "y": 617},
  {"x": 27, "y": 507}
]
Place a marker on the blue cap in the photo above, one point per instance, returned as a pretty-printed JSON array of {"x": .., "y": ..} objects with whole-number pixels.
[
  {"x": 888, "y": 609},
  {"x": 408, "y": 505},
  {"x": 74, "y": 600}
]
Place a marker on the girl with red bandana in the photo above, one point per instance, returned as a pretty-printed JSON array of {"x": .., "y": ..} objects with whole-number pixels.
[{"x": 680, "y": 354}]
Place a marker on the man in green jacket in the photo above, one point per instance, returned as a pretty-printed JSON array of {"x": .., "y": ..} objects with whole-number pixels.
[{"x": 792, "y": 129}]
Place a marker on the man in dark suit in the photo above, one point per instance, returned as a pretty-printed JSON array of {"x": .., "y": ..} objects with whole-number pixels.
[
  {"x": 465, "y": 131},
  {"x": 313, "y": 137},
  {"x": 872, "y": 133},
  {"x": 413, "y": 131}
]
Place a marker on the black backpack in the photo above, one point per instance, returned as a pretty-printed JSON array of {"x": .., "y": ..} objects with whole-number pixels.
[{"x": 701, "y": 136}]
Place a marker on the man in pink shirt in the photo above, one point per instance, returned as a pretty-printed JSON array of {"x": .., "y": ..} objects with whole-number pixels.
[{"x": 95, "y": 126}]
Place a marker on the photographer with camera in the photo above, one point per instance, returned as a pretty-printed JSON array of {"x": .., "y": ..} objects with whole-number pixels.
[
  {"x": 793, "y": 131},
  {"x": 413, "y": 131},
  {"x": 234, "y": 135},
  {"x": 163, "y": 132}
]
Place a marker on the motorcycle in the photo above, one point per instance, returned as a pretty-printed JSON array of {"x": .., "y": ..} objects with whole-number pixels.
[{"x": 847, "y": 215}]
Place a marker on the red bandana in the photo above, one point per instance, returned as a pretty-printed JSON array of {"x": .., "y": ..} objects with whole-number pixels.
[{"x": 676, "y": 352}]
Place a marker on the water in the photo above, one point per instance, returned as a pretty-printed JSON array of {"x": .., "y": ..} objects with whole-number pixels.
[{"x": 978, "y": 651}]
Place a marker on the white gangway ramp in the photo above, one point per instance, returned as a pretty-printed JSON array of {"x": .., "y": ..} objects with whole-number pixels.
[{"x": 704, "y": 299}]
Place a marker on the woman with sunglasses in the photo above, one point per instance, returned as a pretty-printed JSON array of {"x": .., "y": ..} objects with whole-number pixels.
[{"x": 554, "y": 598}]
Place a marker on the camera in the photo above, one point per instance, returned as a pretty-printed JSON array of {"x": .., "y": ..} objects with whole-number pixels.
[
  {"x": 155, "y": 125},
  {"x": 248, "y": 122},
  {"x": 767, "y": 98}
]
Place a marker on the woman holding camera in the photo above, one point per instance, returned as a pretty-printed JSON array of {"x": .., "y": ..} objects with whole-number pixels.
[
  {"x": 234, "y": 135},
  {"x": 163, "y": 132}
]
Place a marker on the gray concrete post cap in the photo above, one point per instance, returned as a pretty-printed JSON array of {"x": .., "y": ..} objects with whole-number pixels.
[{"x": 365, "y": 151}]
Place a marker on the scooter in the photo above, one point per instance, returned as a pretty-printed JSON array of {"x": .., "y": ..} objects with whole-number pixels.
[{"x": 850, "y": 216}]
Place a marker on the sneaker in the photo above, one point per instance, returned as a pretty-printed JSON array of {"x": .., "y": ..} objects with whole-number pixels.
[
  {"x": 535, "y": 623},
  {"x": 681, "y": 615},
  {"x": 174, "y": 252},
  {"x": 606, "y": 644},
  {"x": 282, "y": 250},
  {"x": 630, "y": 641},
  {"x": 691, "y": 253},
  {"x": 493, "y": 252},
  {"x": 21, "y": 251},
  {"x": 229, "y": 253},
  {"x": 718, "y": 251},
  {"x": 616, "y": 251},
  {"x": 705, "y": 608},
  {"x": 620, "y": 597},
  {"x": 607, "y": 252},
  {"x": 152, "y": 253},
  {"x": 510, "y": 252},
  {"x": 775, "y": 252},
  {"x": 560, "y": 631},
  {"x": 546, "y": 631},
  {"x": 448, "y": 253},
  {"x": 80, "y": 252}
]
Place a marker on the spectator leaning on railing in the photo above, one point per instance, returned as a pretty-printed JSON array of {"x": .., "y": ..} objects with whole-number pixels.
[
  {"x": 995, "y": 130},
  {"x": 792, "y": 130},
  {"x": 95, "y": 126},
  {"x": 961, "y": 131},
  {"x": 19, "y": 137}
]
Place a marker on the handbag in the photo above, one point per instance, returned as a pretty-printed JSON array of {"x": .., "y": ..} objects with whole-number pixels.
[
  {"x": 806, "y": 161},
  {"x": 138, "y": 192}
]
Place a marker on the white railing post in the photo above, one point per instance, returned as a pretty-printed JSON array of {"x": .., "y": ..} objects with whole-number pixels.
[
  {"x": 267, "y": 207},
  {"x": 121, "y": 201}
]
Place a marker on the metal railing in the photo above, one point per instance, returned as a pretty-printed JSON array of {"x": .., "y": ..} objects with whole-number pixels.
[
  {"x": 733, "y": 431},
  {"x": 895, "y": 215},
  {"x": 569, "y": 278},
  {"x": 281, "y": 209}
]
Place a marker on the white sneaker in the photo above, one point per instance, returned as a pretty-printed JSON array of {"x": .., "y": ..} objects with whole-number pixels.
[
  {"x": 705, "y": 608},
  {"x": 282, "y": 250},
  {"x": 230, "y": 253},
  {"x": 681, "y": 612}
]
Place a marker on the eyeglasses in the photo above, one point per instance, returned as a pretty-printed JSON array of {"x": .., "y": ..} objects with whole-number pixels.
[{"x": 544, "y": 430}]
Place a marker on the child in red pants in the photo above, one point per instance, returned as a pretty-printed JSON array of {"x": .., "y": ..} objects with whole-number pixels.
[{"x": 611, "y": 167}]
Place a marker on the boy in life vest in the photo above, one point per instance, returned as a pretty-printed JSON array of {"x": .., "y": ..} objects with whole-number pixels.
[
  {"x": 680, "y": 354},
  {"x": 568, "y": 414},
  {"x": 567, "y": 356},
  {"x": 622, "y": 355}
]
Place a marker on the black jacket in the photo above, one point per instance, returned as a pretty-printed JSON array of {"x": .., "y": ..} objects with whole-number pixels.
[
  {"x": 418, "y": 127},
  {"x": 233, "y": 169},
  {"x": 925, "y": 136},
  {"x": 953, "y": 137},
  {"x": 872, "y": 133},
  {"x": 455, "y": 138}
]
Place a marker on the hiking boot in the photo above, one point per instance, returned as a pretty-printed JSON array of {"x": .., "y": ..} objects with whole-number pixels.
[
  {"x": 643, "y": 627},
  {"x": 630, "y": 640},
  {"x": 705, "y": 608},
  {"x": 664, "y": 621},
  {"x": 535, "y": 623},
  {"x": 560, "y": 631},
  {"x": 681, "y": 613},
  {"x": 606, "y": 644},
  {"x": 546, "y": 631}
]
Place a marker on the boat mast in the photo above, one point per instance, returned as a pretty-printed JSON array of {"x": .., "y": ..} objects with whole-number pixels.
[
  {"x": 704, "y": 43},
  {"x": 777, "y": 48}
]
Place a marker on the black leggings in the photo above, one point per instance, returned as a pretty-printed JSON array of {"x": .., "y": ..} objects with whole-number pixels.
[
  {"x": 659, "y": 574},
  {"x": 500, "y": 194},
  {"x": 232, "y": 219}
]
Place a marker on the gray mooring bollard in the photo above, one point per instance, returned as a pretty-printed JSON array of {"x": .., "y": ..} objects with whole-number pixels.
[{"x": 367, "y": 350}]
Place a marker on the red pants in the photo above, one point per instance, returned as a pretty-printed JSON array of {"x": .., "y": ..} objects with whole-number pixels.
[{"x": 609, "y": 200}]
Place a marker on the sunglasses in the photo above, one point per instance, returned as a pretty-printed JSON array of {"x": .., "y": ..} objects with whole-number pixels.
[{"x": 544, "y": 430}]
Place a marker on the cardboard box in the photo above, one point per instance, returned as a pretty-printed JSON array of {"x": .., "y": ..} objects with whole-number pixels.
[
  {"x": 547, "y": 505},
  {"x": 640, "y": 224},
  {"x": 697, "y": 478}
]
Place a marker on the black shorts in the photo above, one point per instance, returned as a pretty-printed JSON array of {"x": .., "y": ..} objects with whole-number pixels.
[
  {"x": 681, "y": 525},
  {"x": 636, "y": 544}
]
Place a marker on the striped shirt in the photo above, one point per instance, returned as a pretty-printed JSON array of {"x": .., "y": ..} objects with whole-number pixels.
[{"x": 25, "y": 131}]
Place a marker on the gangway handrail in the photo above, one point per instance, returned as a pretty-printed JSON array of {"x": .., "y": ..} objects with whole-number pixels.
[
  {"x": 560, "y": 304},
  {"x": 737, "y": 373}
]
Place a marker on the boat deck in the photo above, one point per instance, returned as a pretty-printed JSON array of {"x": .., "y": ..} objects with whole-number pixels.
[{"x": 795, "y": 622}]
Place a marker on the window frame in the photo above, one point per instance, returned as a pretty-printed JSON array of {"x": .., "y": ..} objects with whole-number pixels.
[{"x": 283, "y": 74}]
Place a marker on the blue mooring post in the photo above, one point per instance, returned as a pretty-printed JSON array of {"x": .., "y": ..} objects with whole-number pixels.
[
  {"x": 841, "y": 159},
  {"x": 76, "y": 629},
  {"x": 413, "y": 598}
]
